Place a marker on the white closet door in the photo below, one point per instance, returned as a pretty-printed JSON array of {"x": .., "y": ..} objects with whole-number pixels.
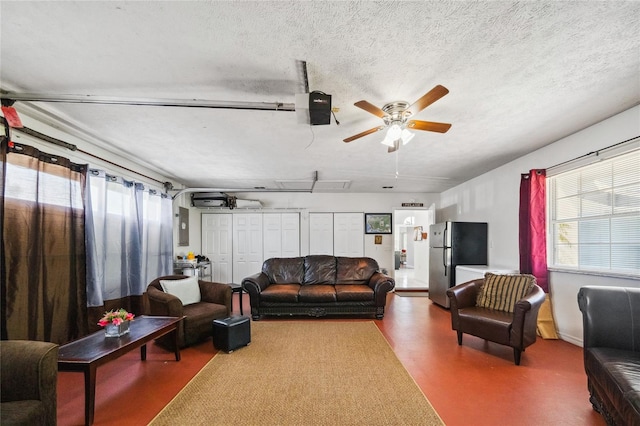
[
  {"x": 272, "y": 235},
  {"x": 217, "y": 238},
  {"x": 281, "y": 235},
  {"x": 348, "y": 234},
  {"x": 321, "y": 233},
  {"x": 290, "y": 235},
  {"x": 247, "y": 245}
]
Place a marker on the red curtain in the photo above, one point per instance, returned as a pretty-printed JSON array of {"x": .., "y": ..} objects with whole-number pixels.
[{"x": 533, "y": 227}]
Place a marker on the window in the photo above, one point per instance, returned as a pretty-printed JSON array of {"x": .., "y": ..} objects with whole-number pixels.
[
  {"x": 26, "y": 184},
  {"x": 129, "y": 237},
  {"x": 594, "y": 216}
]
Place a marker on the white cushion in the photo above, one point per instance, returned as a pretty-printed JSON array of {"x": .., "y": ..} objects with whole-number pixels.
[{"x": 187, "y": 290}]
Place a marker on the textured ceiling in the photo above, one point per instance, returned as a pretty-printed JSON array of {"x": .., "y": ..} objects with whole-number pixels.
[{"x": 521, "y": 75}]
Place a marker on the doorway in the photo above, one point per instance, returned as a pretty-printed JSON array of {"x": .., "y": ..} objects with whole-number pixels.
[{"x": 411, "y": 248}]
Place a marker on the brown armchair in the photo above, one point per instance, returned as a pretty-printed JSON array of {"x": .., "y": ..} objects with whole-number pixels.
[
  {"x": 513, "y": 325},
  {"x": 197, "y": 323},
  {"x": 28, "y": 374}
]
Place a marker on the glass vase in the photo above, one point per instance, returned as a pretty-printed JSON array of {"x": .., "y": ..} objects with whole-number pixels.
[{"x": 112, "y": 330}]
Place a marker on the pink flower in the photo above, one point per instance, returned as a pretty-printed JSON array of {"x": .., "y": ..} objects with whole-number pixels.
[{"x": 115, "y": 317}]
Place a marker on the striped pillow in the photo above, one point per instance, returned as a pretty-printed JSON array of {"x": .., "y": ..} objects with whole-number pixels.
[{"x": 501, "y": 292}]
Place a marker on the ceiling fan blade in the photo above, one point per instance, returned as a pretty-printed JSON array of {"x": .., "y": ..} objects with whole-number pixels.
[
  {"x": 430, "y": 97},
  {"x": 365, "y": 133},
  {"x": 428, "y": 125},
  {"x": 370, "y": 108},
  {"x": 395, "y": 147}
]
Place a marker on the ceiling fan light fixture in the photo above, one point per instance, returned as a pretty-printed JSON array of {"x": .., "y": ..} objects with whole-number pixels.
[
  {"x": 406, "y": 136},
  {"x": 394, "y": 131},
  {"x": 393, "y": 134}
]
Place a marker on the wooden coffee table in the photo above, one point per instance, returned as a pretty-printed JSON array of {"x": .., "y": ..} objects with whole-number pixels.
[{"x": 88, "y": 353}]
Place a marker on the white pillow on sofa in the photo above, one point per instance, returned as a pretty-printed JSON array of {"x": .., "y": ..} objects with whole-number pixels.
[{"x": 187, "y": 290}]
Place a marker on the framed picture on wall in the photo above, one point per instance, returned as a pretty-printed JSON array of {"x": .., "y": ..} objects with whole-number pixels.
[{"x": 378, "y": 223}]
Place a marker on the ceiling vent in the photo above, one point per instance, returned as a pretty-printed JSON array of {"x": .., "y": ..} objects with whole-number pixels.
[
  {"x": 319, "y": 185},
  {"x": 326, "y": 185},
  {"x": 295, "y": 184}
]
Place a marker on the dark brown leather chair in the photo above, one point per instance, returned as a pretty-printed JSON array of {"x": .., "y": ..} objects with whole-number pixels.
[
  {"x": 29, "y": 375},
  {"x": 611, "y": 348},
  {"x": 516, "y": 329},
  {"x": 197, "y": 324}
]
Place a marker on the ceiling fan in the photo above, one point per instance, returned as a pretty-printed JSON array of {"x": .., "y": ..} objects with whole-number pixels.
[{"x": 396, "y": 118}]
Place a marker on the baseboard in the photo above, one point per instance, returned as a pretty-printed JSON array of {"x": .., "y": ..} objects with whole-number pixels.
[{"x": 571, "y": 339}]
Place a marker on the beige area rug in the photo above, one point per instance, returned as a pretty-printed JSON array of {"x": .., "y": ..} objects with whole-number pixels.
[{"x": 303, "y": 373}]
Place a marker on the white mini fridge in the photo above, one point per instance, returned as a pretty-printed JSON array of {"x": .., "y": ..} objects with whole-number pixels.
[{"x": 466, "y": 273}]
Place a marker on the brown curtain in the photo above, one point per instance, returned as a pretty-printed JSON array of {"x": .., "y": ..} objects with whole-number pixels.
[{"x": 43, "y": 246}]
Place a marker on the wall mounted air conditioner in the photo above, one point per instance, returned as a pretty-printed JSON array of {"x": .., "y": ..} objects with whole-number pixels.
[{"x": 209, "y": 199}]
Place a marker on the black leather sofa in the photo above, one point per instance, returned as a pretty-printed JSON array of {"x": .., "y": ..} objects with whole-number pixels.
[
  {"x": 318, "y": 285},
  {"x": 611, "y": 318}
]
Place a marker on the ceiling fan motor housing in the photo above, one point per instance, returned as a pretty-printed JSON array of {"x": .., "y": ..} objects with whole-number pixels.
[{"x": 397, "y": 113}]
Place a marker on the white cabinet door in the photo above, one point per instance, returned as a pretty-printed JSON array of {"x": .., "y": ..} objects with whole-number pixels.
[
  {"x": 290, "y": 235},
  {"x": 272, "y": 235},
  {"x": 321, "y": 233},
  {"x": 348, "y": 234},
  {"x": 247, "y": 245},
  {"x": 217, "y": 238},
  {"x": 281, "y": 235}
]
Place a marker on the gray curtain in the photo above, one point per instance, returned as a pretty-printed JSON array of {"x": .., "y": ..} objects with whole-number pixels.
[{"x": 129, "y": 240}]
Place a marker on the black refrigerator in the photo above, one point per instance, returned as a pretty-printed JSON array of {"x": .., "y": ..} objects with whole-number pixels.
[{"x": 452, "y": 244}]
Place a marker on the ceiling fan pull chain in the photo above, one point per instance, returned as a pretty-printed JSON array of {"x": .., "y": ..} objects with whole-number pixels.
[{"x": 397, "y": 165}]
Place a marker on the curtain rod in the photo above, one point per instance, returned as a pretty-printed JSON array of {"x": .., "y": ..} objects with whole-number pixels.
[
  {"x": 72, "y": 147},
  {"x": 593, "y": 152}
]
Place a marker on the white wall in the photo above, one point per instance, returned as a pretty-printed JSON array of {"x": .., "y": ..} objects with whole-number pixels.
[
  {"x": 494, "y": 198},
  {"x": 195, "y": 227},
  {"x": 306, "y": 203}
]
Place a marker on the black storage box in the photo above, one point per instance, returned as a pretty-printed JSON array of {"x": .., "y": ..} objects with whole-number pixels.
[{"x": 231, "y": 333}]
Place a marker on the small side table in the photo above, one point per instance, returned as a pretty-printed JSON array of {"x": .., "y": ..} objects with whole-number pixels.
[{"x": 236, "y": 288}]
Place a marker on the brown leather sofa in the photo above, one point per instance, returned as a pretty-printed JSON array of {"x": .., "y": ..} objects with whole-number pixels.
[
  {"x": 198, "y": 317},
  {"x": 611, "y": 342},
  {"x": 516, "y": 329},
  {"x": 28, "y": 374},
  {"x": 318, "y": 285}
]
